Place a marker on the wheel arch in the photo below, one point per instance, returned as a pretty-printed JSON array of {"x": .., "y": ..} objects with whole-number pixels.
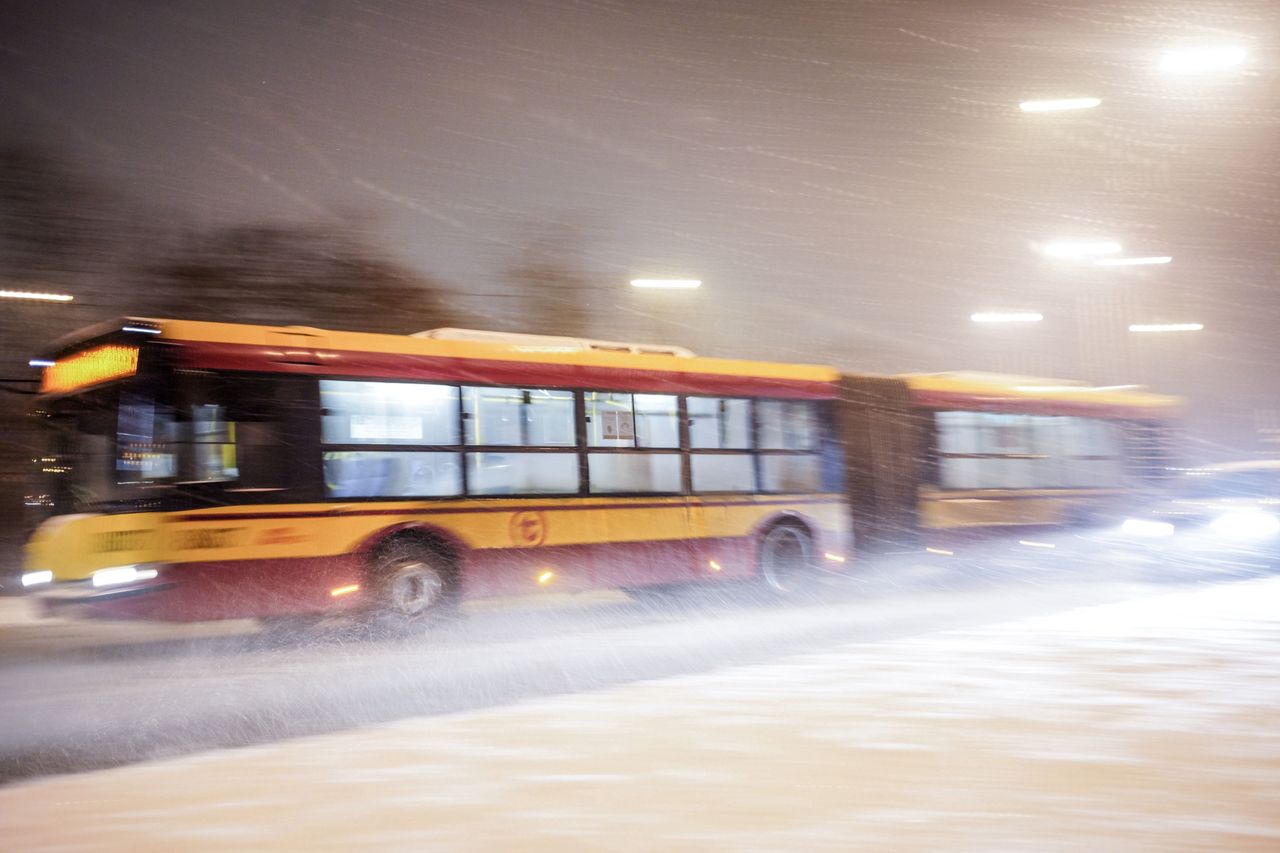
[
  {"x": 784, "y": 518},
  {"x": 442, "y": 541}
]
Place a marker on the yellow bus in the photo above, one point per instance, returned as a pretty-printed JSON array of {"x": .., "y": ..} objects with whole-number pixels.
[{"x": 214, "y": 470}]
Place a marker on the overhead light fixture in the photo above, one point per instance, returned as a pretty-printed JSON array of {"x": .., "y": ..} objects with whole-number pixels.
[{"x": 1166, "y": 327}]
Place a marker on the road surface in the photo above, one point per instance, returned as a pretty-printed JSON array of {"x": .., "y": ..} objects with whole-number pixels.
[
  {"x": 82, "y": 696},
  {"x": 1143, "y": 724}
]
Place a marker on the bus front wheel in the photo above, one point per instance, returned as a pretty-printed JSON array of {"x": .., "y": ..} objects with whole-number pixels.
[
  {"x": 412, "y": 584},
  {"x": 786, "y": 559}
]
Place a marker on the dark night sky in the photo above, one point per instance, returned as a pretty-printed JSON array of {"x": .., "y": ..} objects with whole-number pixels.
[{"x": 850, "y": 179}]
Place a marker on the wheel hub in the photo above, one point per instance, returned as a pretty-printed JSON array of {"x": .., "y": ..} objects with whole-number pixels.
[{"x": 413, "y": 588}]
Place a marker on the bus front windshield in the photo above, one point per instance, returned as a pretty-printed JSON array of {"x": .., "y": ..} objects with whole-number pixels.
[{"x": 147, "y": 442}]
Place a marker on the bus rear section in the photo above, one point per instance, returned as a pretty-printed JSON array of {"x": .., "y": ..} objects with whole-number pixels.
[
  {"x": 244, "y": 471},
  {"x": 944, "y": 462}
]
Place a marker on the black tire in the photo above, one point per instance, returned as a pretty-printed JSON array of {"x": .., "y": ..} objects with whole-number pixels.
[
  {"x": 786, "y": 560},
  {"x": 412, "y": 585}
]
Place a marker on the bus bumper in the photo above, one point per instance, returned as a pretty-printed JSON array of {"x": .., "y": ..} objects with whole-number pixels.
[
  {"x": 80, "y": 599},
  {"x": 198, "y": 592}
]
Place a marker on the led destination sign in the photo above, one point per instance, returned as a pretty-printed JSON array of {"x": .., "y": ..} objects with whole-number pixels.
[{"x": 91, "y": 367}]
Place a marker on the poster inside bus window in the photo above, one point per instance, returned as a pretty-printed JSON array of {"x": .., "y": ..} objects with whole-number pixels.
[{"x": 618, "y": 426}]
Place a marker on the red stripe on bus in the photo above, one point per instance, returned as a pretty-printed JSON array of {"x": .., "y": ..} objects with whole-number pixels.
[
  {"x": 957, "y": 401},
  {"x": 220, "y": 356}
]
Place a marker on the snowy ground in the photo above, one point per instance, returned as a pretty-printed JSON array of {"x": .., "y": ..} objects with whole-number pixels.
[{"x": 1142, "y": 725}]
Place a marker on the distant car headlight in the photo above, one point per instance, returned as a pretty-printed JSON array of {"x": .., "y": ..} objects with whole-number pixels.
[
  {"x": 1246, "y": 524},
  {"x": 1147, "y": 528},
  {"x": 122, "y": 574}
]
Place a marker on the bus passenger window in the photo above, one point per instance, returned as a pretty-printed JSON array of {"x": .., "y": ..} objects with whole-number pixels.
[
  {"x": 383, "y": 474},
  {"x": 790, "y": 473},
  {"x": 723, "y": 472},
  {"x": 522, "y": 473},
  {"x": 389, "y": 413},
  {"x": 634, "y": 472},
  {"x": 787, "y": 424},
  {"x": 619, "y": 419},
  {"x": 515, "y": 417},
  {"x": 719, "y": 423}
]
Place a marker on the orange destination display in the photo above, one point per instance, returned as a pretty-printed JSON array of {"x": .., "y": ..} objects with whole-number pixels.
[{"x": 91, "y": 367}]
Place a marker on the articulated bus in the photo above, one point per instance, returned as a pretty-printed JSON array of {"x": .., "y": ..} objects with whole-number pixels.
[{"x": 211, "y": 470}]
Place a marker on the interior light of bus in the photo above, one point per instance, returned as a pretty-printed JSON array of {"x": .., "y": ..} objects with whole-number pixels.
[
  {"x": 36, "y": 578},
  {"x": 1031, "y": 544},
  {"x": 40, "y": 362},
  {"x": 122, "y": 574},
  {"x": 91, "y": 367},
  {"x": 546, "y": 577},
  {"x": 835, "y": 558},
  {"x": 339, "y": 591},
  {"x": 715, "y": 567},
  {"x": 145, "y": 330},
  {"x": 941, "y": 551}
]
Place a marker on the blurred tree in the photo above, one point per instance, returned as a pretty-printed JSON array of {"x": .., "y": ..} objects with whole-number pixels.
[
  {"x": 551, "y": 274},
  {"x": 325, "y": 274}
]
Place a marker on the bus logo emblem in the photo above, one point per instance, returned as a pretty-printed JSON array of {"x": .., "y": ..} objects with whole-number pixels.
[{"x": 528, "y": 528}]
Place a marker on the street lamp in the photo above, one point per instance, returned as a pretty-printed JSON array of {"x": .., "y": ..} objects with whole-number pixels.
[
  {"x": 1074, "y": 250},
  {"x": 1059, "y": 105},
  {"x": 1132, "y": 262},
  {"x": 1166, "y": 327},
  {"x": 667, "y": 283},
  {"x": 1006, "y": 317},
  {"x": 1201, "y": 60},
  {"x": 35, "y": 297}
]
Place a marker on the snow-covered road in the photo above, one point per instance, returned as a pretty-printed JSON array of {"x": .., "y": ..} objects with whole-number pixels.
[{"x": 1147, "y": 724}]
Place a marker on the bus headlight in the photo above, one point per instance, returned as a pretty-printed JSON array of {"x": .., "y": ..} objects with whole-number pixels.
[
  {"x": 37, "y": 578},
  {"x": 1147, "y": 528},
  {"x": 1246, "y": 524},
  {"x": 122, "y": 574}
]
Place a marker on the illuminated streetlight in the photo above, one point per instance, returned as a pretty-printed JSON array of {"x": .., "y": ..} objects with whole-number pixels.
[
  {"x": 1006, "y": 317},
  {"x": 1075, "y": 250},
  {"x": 1059, "y": 105},
  {"x": 1133, "y": 262},
  {"x": 1200, "y": 60},
  {"x": 35, "y": 297},
  {"x": 667, "y": 283},
  {"x": 1166, "y": 327}
]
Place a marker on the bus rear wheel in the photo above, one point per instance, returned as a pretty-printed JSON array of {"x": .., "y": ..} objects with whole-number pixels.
[
  {"x": 413, "y": 584},
  {"x": 786, "y": 559}
]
